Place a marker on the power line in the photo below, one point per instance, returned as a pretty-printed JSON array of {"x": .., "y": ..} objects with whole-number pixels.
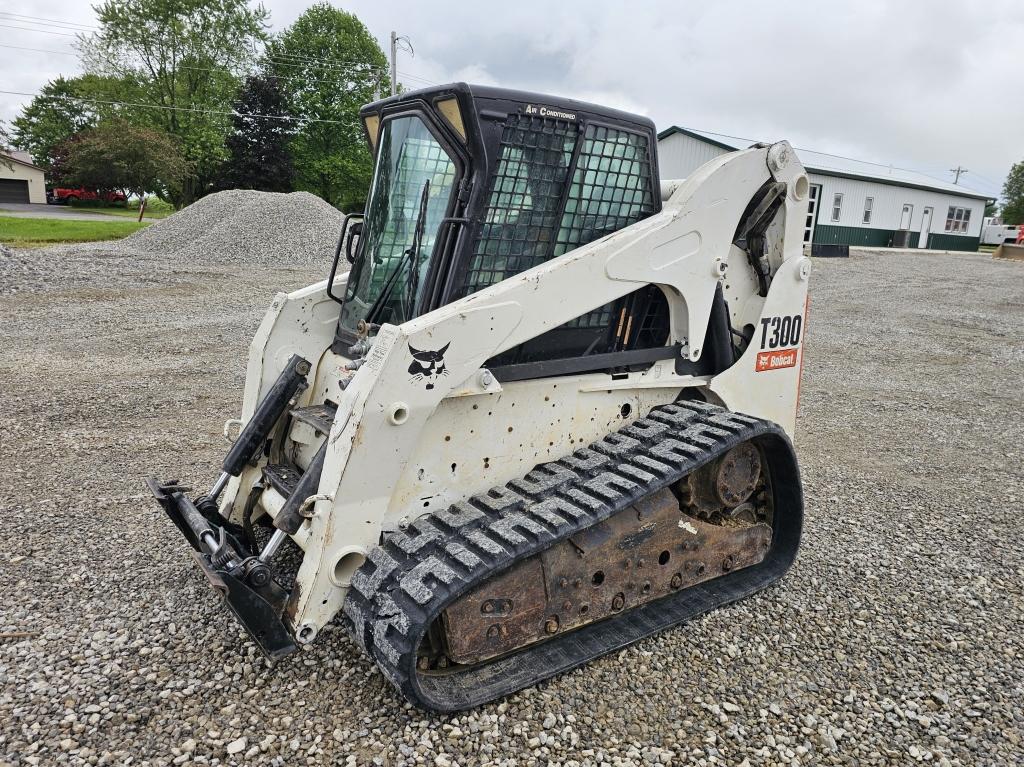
[
  {"x": 45, "y": 31},
  {"x": 364, "y": 68},
  {"x": 182, "y": 109},
  {"x": 344, "y": 67},
  {"x": 38, "y": 50},
  {"x": 49, "y": 21},
  {"x": 295, "y": 61},
  {"x": 279, "y": 77},
  {"x": 986, "y": 179},
  {"x": 415, "y": 77},
  {"x": 286, "y": 58},
  {"x": 207, "y": 69},
  {"x": 180, "y": 66}
]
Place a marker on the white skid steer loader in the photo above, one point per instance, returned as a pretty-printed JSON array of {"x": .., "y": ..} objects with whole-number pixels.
[{"x": 546, "y": 413}]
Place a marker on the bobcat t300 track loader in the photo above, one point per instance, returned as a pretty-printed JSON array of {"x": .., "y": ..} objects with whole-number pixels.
[{"x": 546, "y": 412}]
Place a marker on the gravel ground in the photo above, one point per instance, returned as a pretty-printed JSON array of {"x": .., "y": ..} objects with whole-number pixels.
[{"x": 896, "y": 638}]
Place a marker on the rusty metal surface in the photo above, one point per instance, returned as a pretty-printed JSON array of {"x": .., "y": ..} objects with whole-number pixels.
[
  {"x": 737, "y": 475},
  {"x": 724, "y": 484},
  {"x": 641, "y": 554},
  {"x": 505, "y": 613},
  {"x": 320, "y": 417}
]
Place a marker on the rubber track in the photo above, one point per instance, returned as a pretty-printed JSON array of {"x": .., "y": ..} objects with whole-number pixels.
[{"x": 408, "y": 580}]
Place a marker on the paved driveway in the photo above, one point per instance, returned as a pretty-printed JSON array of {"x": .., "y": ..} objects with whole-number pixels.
[{"x": 41, "y": 210}]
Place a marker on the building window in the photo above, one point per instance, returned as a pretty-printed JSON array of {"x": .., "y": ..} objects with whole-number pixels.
[
  {"x": 837, "y": 206},
  {"x": 958, "y": 219},
  {"x": 869, "y": 203}
]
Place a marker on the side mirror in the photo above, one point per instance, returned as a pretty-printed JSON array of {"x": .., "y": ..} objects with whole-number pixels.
[{"x": 343, "y": 243}]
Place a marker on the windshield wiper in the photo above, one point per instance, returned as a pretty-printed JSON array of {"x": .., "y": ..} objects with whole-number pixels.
[{"x": 411, "y": 254}]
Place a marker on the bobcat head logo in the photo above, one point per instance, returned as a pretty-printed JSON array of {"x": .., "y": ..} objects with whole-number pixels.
[{"x": 427, "y": 365}]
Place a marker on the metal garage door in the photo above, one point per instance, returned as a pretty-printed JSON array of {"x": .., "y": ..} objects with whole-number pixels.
[{"x": 13, "y": 190}]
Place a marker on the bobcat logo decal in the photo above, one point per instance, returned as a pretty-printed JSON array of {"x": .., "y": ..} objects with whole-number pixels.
[{"x": 428, "y": 365}]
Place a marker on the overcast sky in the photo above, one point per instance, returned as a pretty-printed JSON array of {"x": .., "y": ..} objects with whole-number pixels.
[{"x": 920, "y": 84}]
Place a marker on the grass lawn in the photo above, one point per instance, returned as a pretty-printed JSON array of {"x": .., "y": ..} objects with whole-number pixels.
[
  {"x": 31, "y": 232},
  {"x": 153, "y": 212}
]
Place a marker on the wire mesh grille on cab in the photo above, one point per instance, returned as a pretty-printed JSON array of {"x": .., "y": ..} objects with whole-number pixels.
[{"x": 553, "y": 191}]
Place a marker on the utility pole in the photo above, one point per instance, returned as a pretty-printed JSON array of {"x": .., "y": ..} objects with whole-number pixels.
[
  {"x": 394, "y": 55},
  {"x": 398, "y": 42},
  {"x": 958, "y": 170}
]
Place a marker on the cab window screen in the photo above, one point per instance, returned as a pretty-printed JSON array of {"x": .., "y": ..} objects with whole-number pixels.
[
  {"x": 524, "y": 225},
  {"x": 611, "y": 187},
  {"x": 548, "y": 196},
  {"x": 522, "y": 215}
]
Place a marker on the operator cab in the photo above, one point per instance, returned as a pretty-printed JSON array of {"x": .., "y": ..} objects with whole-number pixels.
[{"x": 473, "y": 185}]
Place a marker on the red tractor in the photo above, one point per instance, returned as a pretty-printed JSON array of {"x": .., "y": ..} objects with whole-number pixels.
[{"x": 65, "y": 196}]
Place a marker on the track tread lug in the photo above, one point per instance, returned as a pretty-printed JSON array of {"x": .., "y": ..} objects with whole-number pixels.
[
  {"x": 500, "y": 499},
  {"x": 486, "y": 544},
  {"x": 420, "y": 533},
  {"x": 517, "y": 528},
  {"x": 645, "y": 429},
  {"x": 392, "y": 619},
  {"x": 369, "y": 578},
  {"x": 544, "y": 479},
  {"x": 612, "y": 486},
  {"x": 459, "y": 515},
  {"x": 617, "y": 445},
  {"x": 585, "y": 461},
  {"x": 414, "y": 582}
]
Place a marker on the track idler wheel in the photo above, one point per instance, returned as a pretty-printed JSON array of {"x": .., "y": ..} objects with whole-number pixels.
[{"x": 723, "y": 487}]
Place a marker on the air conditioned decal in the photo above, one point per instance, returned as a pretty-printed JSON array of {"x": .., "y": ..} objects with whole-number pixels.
[{"x": 530, "y": 109}]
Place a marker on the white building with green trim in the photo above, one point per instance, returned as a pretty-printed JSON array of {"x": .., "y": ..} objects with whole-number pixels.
[{"x": 853, "y": 202}]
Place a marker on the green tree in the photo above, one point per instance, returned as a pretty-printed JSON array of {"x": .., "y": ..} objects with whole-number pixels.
[
  {"x": 62, "y": 108},
  {"x": 329, "y": 65},
  {"x": 1013, "y": 195},
  {"x": 188, "y": 57},
  {"x": 125, "y": 157},
  {"x": 50, "y": 119},
  {"x": 259, "y": 156}
]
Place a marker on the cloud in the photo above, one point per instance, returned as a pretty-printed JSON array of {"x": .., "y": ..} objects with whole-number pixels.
[
  {"x": 923, "y": 84},
  {"x": 919, "y": 84}
]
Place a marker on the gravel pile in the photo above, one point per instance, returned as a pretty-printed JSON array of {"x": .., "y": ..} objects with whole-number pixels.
[
  {"x": 219, "y": 233},
  {"x": 243, "y": 226},
  {"x": 897, "y": 638}
]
